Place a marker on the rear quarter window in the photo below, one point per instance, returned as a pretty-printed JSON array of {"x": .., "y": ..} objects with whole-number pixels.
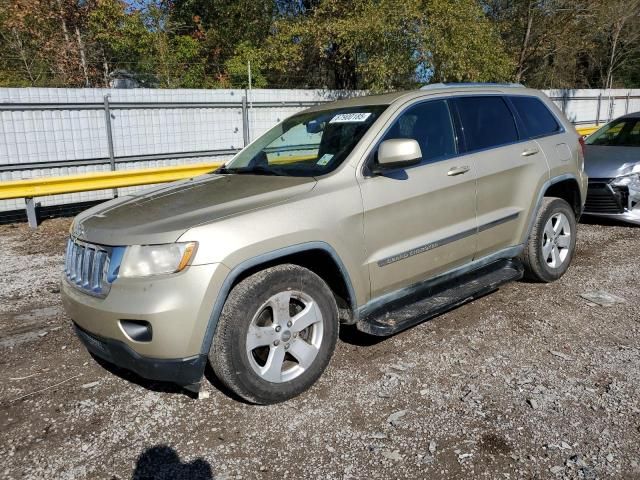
[
  {"x": 486, "y": 121},
  {"x": 537, "y": 120}
]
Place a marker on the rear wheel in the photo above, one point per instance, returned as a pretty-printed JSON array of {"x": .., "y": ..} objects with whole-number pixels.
[
  {"x": 552, "y": 242},
  {"x": 276, "y": 334}
]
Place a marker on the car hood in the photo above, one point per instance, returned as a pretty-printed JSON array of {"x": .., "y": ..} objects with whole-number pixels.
[
  {"x": 608, "y": 162},
  {"x": 163, "y": 214}
]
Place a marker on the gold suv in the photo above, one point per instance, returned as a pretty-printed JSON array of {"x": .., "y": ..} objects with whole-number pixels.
[{"x": 379, "y": 211}]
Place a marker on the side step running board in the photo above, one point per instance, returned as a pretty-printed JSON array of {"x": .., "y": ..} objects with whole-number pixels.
[{"x": 432, "y": 300}]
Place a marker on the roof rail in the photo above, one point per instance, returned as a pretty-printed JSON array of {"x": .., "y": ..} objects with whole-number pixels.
[{"x": 469, "y": 84}]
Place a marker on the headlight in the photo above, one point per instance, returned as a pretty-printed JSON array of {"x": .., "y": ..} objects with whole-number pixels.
[
  {"x": 631, "y": 180},
  {"x": 146, "y": 260}
]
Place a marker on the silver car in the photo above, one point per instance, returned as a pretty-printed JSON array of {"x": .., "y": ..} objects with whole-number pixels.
[{"x": 612, "y": 161}]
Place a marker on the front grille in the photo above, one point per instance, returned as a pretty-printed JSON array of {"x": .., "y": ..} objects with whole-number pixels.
[
  {"x": 603, "y": 198},
  {"x": 86, "y": 267}
]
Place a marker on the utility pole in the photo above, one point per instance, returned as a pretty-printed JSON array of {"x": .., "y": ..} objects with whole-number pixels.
[{"x": 250, "y": 96}]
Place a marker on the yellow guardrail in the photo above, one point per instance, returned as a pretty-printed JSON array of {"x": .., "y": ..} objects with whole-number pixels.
[
  {"x": 587, "y": 130},
  {"x": 42, "y": 186}
]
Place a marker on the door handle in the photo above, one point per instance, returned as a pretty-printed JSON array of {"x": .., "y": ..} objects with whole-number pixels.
[
  {"x": 529, "y": 152},
  {"x": 458, "y": 170}
]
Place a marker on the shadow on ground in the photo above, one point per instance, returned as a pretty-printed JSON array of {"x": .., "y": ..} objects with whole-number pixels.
[
  {"x": 152, "y": 385},
  {"x": 351, "y": 335},
  {"x": 162, "y": 462}
]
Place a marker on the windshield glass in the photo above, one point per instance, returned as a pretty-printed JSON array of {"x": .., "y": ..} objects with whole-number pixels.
[
  {"x": 307, "y": 144},
  {"x": 619, "y": 133}
]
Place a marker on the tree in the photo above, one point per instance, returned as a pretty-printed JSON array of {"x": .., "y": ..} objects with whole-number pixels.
[
  {"x": 37, "y": 44},
  {"x": 237, "y": 67},
  {"x": 377, "y": 45},
  {"x": 222, "y": 26},
  {"x": 546, "y": 39},
  {"x": 365, "y": 46},
  {"x": 458, "y": 43},
  {"x": 119, "y": 39},
  {"x": 617, "y": 32},
  {"x": 385, "y": 44}
]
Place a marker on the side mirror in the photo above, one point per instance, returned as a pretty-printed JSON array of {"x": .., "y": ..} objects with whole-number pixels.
[
  {"x": 314, "y": 126},
  {"x": 397, "y": 153}
]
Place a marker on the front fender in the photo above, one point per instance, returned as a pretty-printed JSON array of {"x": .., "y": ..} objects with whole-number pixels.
[{"x": 264, "y": 259}]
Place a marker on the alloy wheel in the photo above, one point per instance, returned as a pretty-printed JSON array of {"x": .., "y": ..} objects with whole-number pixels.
[
  {"x": 556, "y": 240},
  {"x": 284, "y": 336}
]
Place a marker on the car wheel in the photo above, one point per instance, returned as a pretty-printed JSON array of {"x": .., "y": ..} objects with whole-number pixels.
[
  {"x": 276, "y": 334},
  {"x": 552, "y": 242}
]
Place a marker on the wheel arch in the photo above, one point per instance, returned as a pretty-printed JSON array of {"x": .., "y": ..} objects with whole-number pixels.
[
  {"x": 319, "y": 257},
  {"x": 562, "y": 185},
  {"x": 567, "y": 189}
]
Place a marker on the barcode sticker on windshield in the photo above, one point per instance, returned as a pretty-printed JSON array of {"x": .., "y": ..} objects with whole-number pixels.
[
  {"x": 326, "y": 158},
  {"x": 351, "y": 117}
]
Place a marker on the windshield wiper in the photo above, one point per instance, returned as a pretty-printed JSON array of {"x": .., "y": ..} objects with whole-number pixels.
[
  {"x": 221, "y": 170},
  {"x": 257, "y": 170}
]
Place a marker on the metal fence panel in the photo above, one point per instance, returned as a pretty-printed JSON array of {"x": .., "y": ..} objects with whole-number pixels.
[{"x": 50, "y": 131}]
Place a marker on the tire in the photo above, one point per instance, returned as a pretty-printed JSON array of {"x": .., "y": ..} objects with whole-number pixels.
[
  {"x": 255, "y": 351},
  {"x": 552, "y": 243}
]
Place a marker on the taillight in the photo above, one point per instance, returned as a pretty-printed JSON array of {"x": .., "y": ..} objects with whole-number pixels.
[{"x": 582, "y": 144}]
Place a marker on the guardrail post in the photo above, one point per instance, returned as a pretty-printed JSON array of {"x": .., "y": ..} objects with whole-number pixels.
[
  {"x": 32, "y": 215},
  {"x": 107, "y": 122},
  {"x": 245, "y": 121}
]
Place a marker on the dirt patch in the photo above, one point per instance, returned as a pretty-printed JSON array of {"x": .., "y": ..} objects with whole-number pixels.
[
  {"x": 529, "y": 382},
  {"x": 50, "y": 236}
]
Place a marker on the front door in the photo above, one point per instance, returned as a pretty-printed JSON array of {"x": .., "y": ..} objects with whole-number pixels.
[{"x": 420, "y": 221}]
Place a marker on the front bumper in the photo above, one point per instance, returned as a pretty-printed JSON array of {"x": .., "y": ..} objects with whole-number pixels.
[
  {"x": 616, "y": 203},
  {"x": 177, "y": 308},
  {"x": 632, "y": 216},
  {"x": 181, "y": 371}
]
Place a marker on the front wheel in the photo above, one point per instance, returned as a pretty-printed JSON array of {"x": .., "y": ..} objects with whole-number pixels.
[
  {"x": 552, "y": 242},
  {"x": 276, "y": 334}
]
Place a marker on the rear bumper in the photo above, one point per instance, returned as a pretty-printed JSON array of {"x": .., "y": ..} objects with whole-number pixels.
[{"x": 181, "y": 371}]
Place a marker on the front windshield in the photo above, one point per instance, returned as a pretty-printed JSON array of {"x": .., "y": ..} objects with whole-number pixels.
[
  {"x": 307, "y": 144},
  {"x": 619, "y": 133}
]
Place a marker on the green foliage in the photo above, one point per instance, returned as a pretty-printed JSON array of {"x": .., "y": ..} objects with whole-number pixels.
[
  {"x": 121, "y": 39},
  {"x": 237, "y": 67},
  {"x": 380, "y": 44},
  {"x": 377, "y": 45},
  {"x": 459, "y": 44}
]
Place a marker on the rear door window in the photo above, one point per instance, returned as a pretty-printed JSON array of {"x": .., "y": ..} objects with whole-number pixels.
[
  {"x": 537, "y": 120},
  {"x": 486, "y": 121}
]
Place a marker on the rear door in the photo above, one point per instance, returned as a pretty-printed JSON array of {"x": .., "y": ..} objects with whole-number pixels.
[
  {"x": 538, "y": 123},
  {"x": 509, "y": 170},
  {"x": 420, "y": 221}
]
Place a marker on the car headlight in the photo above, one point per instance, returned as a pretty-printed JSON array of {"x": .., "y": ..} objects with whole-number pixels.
[
  {"x": 146, "y": 260},
  {"x": 630, "y": 180}
]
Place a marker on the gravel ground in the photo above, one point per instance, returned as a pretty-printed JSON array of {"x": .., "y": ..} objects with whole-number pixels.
[{"x": 532, "y": 381}]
